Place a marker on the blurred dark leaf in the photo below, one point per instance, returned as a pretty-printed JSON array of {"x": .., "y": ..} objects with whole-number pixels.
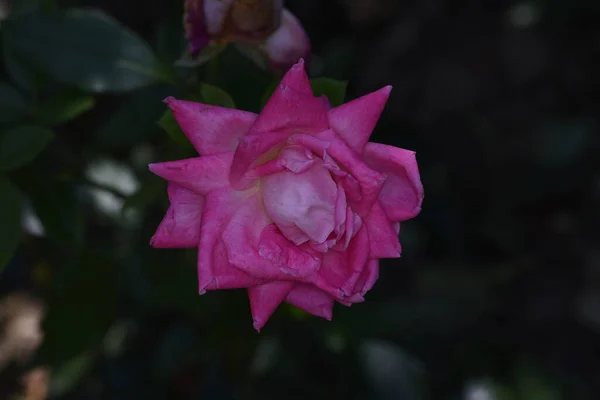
[
  {"x": 85, "y": 48},
  {"x": 69, "y": 374},
  {"x": 333, "y": 89},
  {"x": 151, "y": 188},
  {"x": 176, "y": 351},
  {"x": 21, "y": 145},
  {"x": 134, "y": 120},
  {"x": 20, "y": 71},
  {"x": 58, "y": 207},
  {"x": 20, "y": 7},
  {"x": 392, "y": 373},
  {"x": 64, "y": 107},
  {"x": 168, "y": 123},
  {"x": 81, "y": 307},
  {"x": 215, "y": 96},
  {"x": 13, "y": 105},
  {"x": 10, "y": 215}
]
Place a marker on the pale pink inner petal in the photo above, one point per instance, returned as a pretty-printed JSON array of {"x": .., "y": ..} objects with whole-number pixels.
[{"x": 306, "y": 201}]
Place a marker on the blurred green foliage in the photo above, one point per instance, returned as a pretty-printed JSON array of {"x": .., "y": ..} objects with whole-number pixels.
[{"x": 496, "y": 296}]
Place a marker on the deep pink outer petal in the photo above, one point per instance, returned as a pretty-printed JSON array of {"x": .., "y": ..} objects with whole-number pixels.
[
  {"x": 211, "y": 129},
  {"x": 180, "y": 228},
  {"x": 354, "y": 121},
  {"x": 264, "y": 300},
  {"x": 340, "y": 270},
  {"x": 312, "y": 300},
  {"x": 402, "y": 193},
  {"x": 214, "y": 269},
  {"x": 368, "y": 278},
  {"x": 383, "y": 238},
  {"x": 293, "y": 106},
  {"x": 200, "y": 175}
]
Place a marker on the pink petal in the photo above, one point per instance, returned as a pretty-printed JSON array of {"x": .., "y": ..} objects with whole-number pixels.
[
  {"x": 264, "y": 300},
  {"x": 312, "y": 300},
  {"x": 195, "y": 26},
  {"x": 291, "y": 261},
  {"x": 292, "y": 106},
  {"x": 253, "y": 147},
  {"x": 214, "y": 269},
  {"x": 287, "y": 44},
  {"x": 306, "y": 201},
  {"x": 341, "y": 270},
  {"x": 384, "y": 239},
  {"x": 368, "y": 278},
  {"x": 180, "y": 228},
  {"x": 211, "y": 129},
  {"x": 370, "y": 182},
  {"x": 354, "y": 121},
  {"x": 402, "y": 194},
  {"x": 258, "y": 249},
  {"x": 201, "y": 174}
]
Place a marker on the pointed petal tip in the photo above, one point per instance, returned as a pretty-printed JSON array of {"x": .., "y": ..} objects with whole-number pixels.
[
  {"x": 169, "y": 100},
  {"x": 258, "y": 325}
]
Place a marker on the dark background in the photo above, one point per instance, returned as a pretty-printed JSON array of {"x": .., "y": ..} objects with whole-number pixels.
[{"x": 496, "y": 297}]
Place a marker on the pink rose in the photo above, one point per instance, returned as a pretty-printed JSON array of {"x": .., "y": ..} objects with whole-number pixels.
[{"x": 293, "y": 204}]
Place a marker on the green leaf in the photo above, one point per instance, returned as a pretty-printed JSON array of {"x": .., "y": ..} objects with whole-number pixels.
[
  {"x": 21, "y": 145},
  {"x": 134, "y": 120},
  {"x": 69, "y": 374},
  {"x": 58, "y": 207},
  {"x": 168, "y": 123},
  {"x": 84, "y": 298},
  {"x": 64, "y": 107},
  {"x": 13, "y": 105},
  {"x": 84, "y": 48},
  {"x": 334, "y": 90},
  {"x": 10, "y": 215},
  {"x": 215, "y": 96}
]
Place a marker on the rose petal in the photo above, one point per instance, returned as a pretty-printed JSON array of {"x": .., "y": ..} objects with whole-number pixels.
[
  {"x": 354, "y": 121},
  {"x": 306, "y": 201},
  {"x": 214, "y": 269},
  {"x": 180, "y": 228},
  {"x": 264, "y": 300},
  {"x": 195, "y": 26},
  {"x": 312, "y": 300},
  {"x": 293, "y": 106},
  {"x": 368, "y": 278},
  {"x": 216, "y": 12},
  {"x": 370, "y": 181},
  {"x": 384, "y": 239},
  {"x": 211, "y": 129},
  {"x": 201, "y": 174},
  {"x": 402, "y": 194},
  {"x": 340, "y": 270},
  {"x": 287, "y": 44}
]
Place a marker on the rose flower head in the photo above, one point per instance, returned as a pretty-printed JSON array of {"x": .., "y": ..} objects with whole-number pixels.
[
  {"x": 293, "y": 204},
  {"x": 271, "y": 35}
]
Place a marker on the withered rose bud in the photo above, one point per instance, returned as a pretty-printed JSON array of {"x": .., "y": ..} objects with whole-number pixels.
[{"x": 264, "y": 24}]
